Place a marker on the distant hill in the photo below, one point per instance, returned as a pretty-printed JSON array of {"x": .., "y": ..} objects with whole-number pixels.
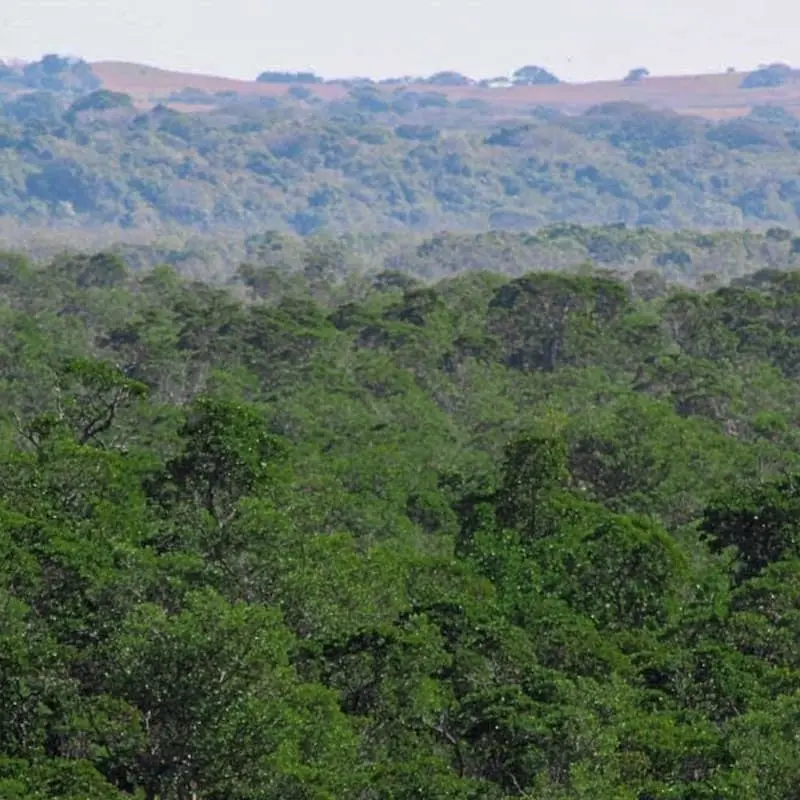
[
  {"x": 714, "y": 96},
  {"x": 140, "y": 149}
]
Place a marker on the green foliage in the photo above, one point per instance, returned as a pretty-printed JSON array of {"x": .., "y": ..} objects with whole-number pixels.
[
  {"x": 337, "y": 532},
  {"x": 227, "y": 455},
  {"x": 769, "y": 77},
  {"x": 58, "y": 73},
  {"x": 288, "y": 77},
  {"x": 534, "y": 76},
  {"x": 101, "y": 100},
  {"x": 306, "y": 164},
  {"x": 761, "y": 522}
]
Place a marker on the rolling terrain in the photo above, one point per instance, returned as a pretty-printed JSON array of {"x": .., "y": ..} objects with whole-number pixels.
[
  {"x": 112, "y": 147},
  {"x": 713, "y": 96},
  {"x": 386, "y": 442}
]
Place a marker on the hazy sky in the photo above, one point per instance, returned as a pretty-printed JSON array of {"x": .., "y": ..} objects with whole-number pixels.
[{"x": 578, "y": 39}]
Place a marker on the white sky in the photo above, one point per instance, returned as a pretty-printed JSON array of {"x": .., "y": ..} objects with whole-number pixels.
[{"x": 577, "y": 39}]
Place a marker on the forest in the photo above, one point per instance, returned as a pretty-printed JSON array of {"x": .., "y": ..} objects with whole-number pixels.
[
  {"x": 521, "y": 526},
  {"x": 78, "y": 157},
  {"x": 699, "y": 259}
]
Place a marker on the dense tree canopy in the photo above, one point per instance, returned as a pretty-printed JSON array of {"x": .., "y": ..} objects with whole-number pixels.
[
  {"x": 330, "y": 533},
  {"x": 366, "y": 156}
]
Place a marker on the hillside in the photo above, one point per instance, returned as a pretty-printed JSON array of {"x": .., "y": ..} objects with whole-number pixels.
[
  {"x": 372, "y": 159},
  {"x": 398, "y": 441},
  {"x": 712, "y": 96}
]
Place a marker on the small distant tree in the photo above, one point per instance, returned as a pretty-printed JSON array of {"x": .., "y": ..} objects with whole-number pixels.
[
  {"x": 368, "y": 99},
  {"x": 57, "y": 73},
  {"x": 101, "y": 100},
  {"x": 449, "y": 78},
  {"x": 637, "y": 74},
  {"x": 46, "y": 74},
  {"x": 53, "y": 64},
  {"x": 767, "y": 77},
  {"x": 288, "y": 77},
  {"x": 531, "y": 75},
  {"x": 39, "y": 106}
]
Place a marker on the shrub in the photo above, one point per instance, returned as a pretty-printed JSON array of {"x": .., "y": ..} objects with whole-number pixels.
[{"x": 767, "y": 77}]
